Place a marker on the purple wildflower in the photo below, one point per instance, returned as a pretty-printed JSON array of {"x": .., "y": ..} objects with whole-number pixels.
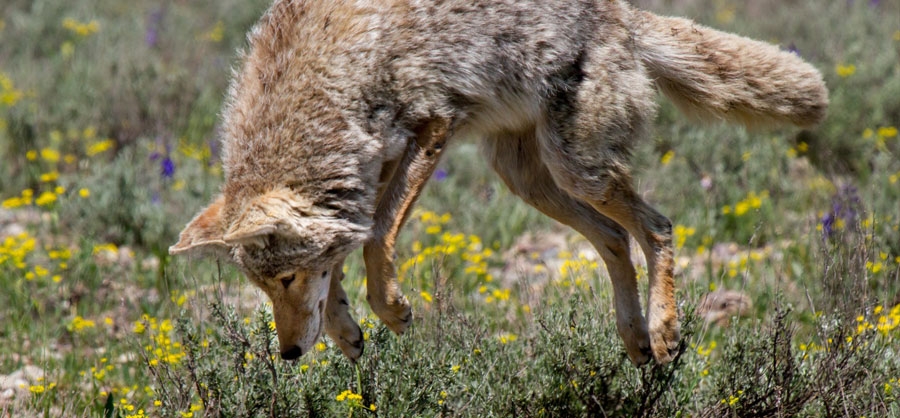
[
  {"x": 845, "y": 206},
  {"x": 167, "y": 167},
  {"x": 440, "y": 174},
  {"x": 153, "y": 21},
  {"x": 213, "y": 152},
  {"x": 792, "y": 48}
]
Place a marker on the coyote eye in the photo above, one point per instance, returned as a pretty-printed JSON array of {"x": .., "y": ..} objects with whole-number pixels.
[
  {"x": 287, "y": 281},
  {"x": 324, "y": 273}
]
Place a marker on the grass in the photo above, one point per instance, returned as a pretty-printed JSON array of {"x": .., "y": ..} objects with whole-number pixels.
[{"x": 108, "y": 136}]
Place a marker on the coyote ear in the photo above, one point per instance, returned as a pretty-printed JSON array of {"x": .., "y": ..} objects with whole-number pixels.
[
  {"x": 270, "y": 213},
  {"x": 204, "y": 232}
]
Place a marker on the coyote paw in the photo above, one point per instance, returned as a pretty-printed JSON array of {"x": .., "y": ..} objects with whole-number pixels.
[
  {"x": 396, "y": 314},
  {"x": 637, "y": 340},
  {"x": 344, "y": 331},
  {"x": 664, "y": 338},
  {"x": 351, "y": 344}
]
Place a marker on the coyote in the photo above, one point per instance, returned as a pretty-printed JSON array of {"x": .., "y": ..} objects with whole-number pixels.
[{"x": 341, "y": 109}]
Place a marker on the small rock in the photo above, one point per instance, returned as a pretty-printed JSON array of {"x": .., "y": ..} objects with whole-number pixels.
[
  {"x": 720, "y": 306},
  {"x": 150, "y": 263}
]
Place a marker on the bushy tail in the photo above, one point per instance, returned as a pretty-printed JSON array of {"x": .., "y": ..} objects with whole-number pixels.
[{"x": 715, "y": 75}]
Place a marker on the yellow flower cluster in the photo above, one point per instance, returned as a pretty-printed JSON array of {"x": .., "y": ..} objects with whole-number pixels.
[
  {"x": 885, "y": 322},
  {"x": 681, "y": 233},
  {"x": 216, "y": 33},
  {"x": 14, "y": 252},
  {"x": 574, "y": 271},
  {"x": 190, "y": 412},
  {"x": 667, "y": 157},
  {"x": 26, "y": 198},
  {"x": 353, "y": 400},
  {"x": 99, "y": 147},
  {"x": 81, "y": 28},
  {"x": 732, "y": 399},
  {"x": 9, "y": 95},
  {"x": 129, "y": 408},
  {"x": 877, "y": 265},
  {"x": 15, "y": 249},
  {"x": 48, "y": 160},
  {"x": 469, "y": 249},
  {"x": 80, "y": 324},
  {"x": 41, "y": 387},
  {"x": 706, "y": 350},
  {"x": 792, "y": 152},
  {"x": 740, "y": 264},
  {"x": 507, "y": 338},
  {"x": 349, "y": 396},
  {"x": 501, "y": 295},
  {"x": 165, "y": 350},
  {"x": 725, "y": 12},
  {"x": 366, "y": 324},
  {"x": 433, "y": 222},
  {"x": 426, "y": 296},
  {"x": 890, "y": 385},
  {"x": 200, "y": 153},
  {"x": 880, "y": 136},
  {"x": 752, "y": 201},
  {"x": 108, "y": 247},
  {"x": 845, "y": 71}
]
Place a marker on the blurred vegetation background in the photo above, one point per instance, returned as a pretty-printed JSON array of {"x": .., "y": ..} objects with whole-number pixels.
[{"x": 109, "y": 144}]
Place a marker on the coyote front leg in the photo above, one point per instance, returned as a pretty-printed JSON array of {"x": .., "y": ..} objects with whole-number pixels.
[
  {"x": 396, "y": 200},
  {"x": 339, "y": 325}
]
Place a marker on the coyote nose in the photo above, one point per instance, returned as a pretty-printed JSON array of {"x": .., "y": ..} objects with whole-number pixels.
[{"x": 292, "y": 353}]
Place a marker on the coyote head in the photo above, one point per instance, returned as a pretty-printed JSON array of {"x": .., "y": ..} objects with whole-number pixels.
[{"x": 287, "y": 246}]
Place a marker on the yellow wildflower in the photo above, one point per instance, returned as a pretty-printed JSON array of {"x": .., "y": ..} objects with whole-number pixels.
[
  {"x": 13, "y": 203},
  {"x": 50, "y": 155},
  {"x": 79, "y": 324},
  {"x": 887, "y": 132},
  {"x": 45, "y": 199},
  {"x": 682, "y": 233},
  {"x": 8, "y": 94},
  {"x": 79, "y": 28},
  {"x": 845, "y": 71},
  {"x": 667, "y": 157},
  {"x": 67, "y": 49},
  {"x": 216, "y": 33},
  {"x": 99, "y": 147}
]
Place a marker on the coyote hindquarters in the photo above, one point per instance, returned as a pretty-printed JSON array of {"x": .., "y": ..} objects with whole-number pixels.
[{"x": 341, "y": 109}]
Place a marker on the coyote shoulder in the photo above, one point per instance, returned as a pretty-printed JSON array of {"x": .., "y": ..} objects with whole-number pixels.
[{"x": 341, "y": 109}]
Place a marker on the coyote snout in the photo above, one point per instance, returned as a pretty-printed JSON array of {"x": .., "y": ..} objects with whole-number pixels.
[
  {"x": 298, "y": 304},
  {"x": 341, "y": 110}
]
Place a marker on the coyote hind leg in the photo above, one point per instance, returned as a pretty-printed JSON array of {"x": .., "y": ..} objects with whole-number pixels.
[
  {"x": 516, "y": 160},
  {"x": 585, "y": 144},
  {"x": 653, "y": 232}
]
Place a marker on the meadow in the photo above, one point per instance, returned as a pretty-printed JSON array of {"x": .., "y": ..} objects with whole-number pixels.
[{"x": 108, "y": 145}]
